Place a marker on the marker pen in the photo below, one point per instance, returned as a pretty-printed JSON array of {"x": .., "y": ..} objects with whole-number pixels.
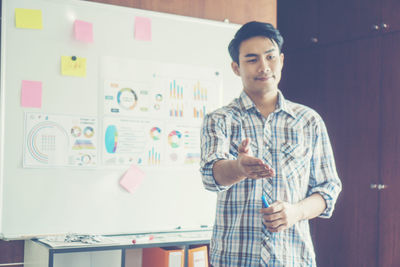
[{"x": 265, "y": 202}]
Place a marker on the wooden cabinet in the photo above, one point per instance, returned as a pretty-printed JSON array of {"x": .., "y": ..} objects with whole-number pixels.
[
  {"x": 348, "y": 19},
  {"x": 307, "y": 23},
  {"x": 389, "y": 212},
  {"x": 300, "y": 80},
  {"x": 349, "y": 103},
  {"x": 354, "y": 86},
  {"x": 390, "y": 15},
  {"x": 298, "y": 22}
]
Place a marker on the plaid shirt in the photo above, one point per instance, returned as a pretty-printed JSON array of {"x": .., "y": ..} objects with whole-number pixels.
[{"x": 293, "y": 140}]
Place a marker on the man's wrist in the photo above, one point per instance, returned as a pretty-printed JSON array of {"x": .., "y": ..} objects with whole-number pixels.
[
  {"x": 238, "y": 170},
  {"x": 300, "y": 211}
]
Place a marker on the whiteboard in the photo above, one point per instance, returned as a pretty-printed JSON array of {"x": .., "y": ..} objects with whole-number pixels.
[{"x": 37, "y": 201}]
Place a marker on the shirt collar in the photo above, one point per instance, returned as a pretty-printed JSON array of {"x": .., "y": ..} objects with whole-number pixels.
[{"x": 281, "y": 104}]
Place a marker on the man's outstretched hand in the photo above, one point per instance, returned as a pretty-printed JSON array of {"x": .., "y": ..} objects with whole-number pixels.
[{"x": 250, "y": 166}]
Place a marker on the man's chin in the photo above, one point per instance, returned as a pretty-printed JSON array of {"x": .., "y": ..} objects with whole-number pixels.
[{"x": 262, "y": 90}]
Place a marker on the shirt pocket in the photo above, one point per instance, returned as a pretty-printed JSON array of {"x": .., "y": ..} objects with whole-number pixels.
[{"x": 293, "y": 156}]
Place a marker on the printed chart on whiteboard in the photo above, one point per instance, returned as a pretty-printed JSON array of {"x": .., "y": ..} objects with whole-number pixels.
[
  {"x": 153, "y": 111},
  {"x": 130, "y": 140},
  {"x": 60, "y": 140}
]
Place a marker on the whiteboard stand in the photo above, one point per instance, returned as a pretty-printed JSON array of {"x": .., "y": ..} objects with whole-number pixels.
[{"x": 39, "y": 254}]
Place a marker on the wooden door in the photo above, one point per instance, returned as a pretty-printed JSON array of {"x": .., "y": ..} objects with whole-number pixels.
[
  {"x": 298, "y": 23},
  {"x": 348, "y": 19},
  {"x": 349, "y": 101},
  {"x": 389, "y": 212}
]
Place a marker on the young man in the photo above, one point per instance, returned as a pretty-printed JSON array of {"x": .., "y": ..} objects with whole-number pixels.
[{"x": 264, "y": 145}]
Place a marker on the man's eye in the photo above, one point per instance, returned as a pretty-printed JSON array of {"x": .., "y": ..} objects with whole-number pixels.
[
  {"x": 252, "y": 60},
  {"x": 271, "y": 57}
]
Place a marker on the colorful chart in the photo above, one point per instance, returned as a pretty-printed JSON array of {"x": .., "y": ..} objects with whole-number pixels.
[
  {"x": 88, "y": 131},
  {"x": 155, "y": 133},
  {"x": 174, "y": 139},
  {"x": 111, "y": 139},
  {"x": 192, "y": 158},
  {"x": 83, "y": 144},
  {"x": 76, "y": 131},
  {"x": 159, "y": 97},
  {"x": 157, "y": 106},
  {"x": 41, "y": 140},
  {"x": 154, "y": 157},
  {"x": 175, "y": 90},
  {"x": 199, "y": 92},
  {"x": 176, "y": 111},
  {"x": 199, "y": 113},
  {"x": 86, "y": 159},
  {"x": 127, "y": 98}
]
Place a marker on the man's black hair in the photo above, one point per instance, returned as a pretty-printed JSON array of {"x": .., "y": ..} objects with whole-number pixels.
[{"x": 253, "y": 29}]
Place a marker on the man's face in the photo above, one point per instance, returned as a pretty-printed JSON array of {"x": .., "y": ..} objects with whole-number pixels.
[{"x": 260, "y": 65}]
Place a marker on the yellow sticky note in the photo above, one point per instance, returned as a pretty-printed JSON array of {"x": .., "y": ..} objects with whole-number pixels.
[
  {"x": 28, "y": 18},
  {"x": 73, "y": 66}
]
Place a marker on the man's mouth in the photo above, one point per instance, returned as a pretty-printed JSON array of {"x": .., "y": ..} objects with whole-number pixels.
[{"x": 264, "y": 78}]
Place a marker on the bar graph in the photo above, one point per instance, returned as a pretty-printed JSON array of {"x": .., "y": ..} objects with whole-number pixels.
[
  {"x": 154, "y": 157},
  {"x": 175, "y": 90},
  {"x": 199, "y": 92}
]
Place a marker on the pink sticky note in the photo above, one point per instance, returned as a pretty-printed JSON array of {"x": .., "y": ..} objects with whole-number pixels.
[
  {"x": 142, "y": 29},
  {"x": 83, "y": 31},
  {"x": 31, "y": 94},
  {"x": 132, "y": 178}
]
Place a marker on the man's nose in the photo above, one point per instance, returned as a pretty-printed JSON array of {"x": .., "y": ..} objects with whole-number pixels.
[{"x": 264, "y": 66}]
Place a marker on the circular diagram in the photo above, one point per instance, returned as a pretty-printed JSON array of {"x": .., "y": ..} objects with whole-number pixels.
[
  {"x": 88, "y": 131},
  {"x": 127, "y": 98},
  {"x": 111, "y": 139},
  {"x": 159, "y": 97},
  {"x": 155, "y": 133},
  {"x": 156, "y": 106},
  {"x": 76, "y": 131},
  {"x": 174, "y": 139},
  {"x": 86, "y": 159},
  {"x": 42, "y": 141}
]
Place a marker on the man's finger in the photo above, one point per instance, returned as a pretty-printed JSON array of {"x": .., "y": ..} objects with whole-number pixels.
[
  {"x": 260, "y": 174},
  {"x": 244, "y": 146},
  {"x": 252, "y": 161}
]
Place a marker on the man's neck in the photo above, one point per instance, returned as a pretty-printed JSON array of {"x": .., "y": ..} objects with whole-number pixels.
[{"x": 265, "y": 102}]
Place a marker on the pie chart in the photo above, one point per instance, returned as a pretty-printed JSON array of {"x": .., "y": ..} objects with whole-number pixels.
[
  {"x": 174, "y": 139},
  {"x": 111, "y": 139}
]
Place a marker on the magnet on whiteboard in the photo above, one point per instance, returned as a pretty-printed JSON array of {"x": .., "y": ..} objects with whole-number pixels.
[{"x": 73, "y": 58}]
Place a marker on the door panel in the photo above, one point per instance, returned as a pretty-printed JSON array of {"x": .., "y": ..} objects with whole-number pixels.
[
  {"x": 389, "y": 212},
  {"x": 350, "y": 107},
  {"x": 390, "y": 15},
  {"x": 348, "y": 19},
  {"x": 298, "y": 23}
]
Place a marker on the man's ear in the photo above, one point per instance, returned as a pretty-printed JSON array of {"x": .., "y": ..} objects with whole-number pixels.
[
  {"x": 282, "y": 56},
  {"x": 235, "y": 68}
]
